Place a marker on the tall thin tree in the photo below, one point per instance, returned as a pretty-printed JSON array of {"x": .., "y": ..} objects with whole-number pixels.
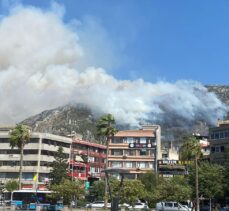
[
  {"x": 191, "y": 150},
  {"x": 19, "y": 137},
  {"x": 106, "y": 129}
]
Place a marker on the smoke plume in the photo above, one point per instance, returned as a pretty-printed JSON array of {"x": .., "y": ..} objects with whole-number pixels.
[{"x": 41, "y": 68}]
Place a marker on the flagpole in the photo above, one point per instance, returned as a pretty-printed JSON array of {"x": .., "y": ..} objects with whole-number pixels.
[{"x": 36, "y": 187}]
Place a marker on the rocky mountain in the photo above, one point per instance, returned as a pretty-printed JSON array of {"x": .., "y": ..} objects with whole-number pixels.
[
  {"x": 221, "y": 91},
  {"x": 79, "y": 119},
  {"x": 64, "y": 121}
]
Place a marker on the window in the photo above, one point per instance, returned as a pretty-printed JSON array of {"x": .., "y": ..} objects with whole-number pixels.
[
  {"x": 129, "y": 164},
  {"x": 130, "y": 140},
  {"x": 217, "y": 149},
  {"x": 34, "y": 140},
  {"x": 116, "y": 164},
  {"x": 164, "y": 155},
  {"x": 134, "y": 164},
  {"x": 222, "y": 148},
  {"x": 30, "y": 152},
  {"x": 92, "y": 169},
  {"x": 4, "y": 140},
  {"x": 142, "y": 140},
  {"x": 143, "y": 152},
  {"x": 117, "y": 140},
  {"x": 142, "y": 165},
  {"x": 168, "y": 204},
  {"x": 116, "y": 152},
  {"x": 45, "y": 163},
  {"x": 130, "y": 152},
  {"x": 30, "y": 163},
  {"x": 221, "y": 135},
  {"x": 216, "y": 135},
  {"x": 213, "y": 149},
  {"x": 212, "y": 136}
]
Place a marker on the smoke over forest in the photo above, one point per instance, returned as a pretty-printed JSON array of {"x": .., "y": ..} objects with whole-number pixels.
[{"x": 43, "y": 65}]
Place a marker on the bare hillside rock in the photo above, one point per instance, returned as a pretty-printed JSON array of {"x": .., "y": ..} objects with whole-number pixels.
[
  {"x": 64, "y": 121},
  {"x": 221, "y": 91}
]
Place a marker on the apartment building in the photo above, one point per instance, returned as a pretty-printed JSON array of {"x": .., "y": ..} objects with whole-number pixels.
[
  {"x": 204, "y": 145},
  {"x": 87, "y": 160},
  {"x": 219, "y": 142},
  {"x": 38, "y": 156},
  {"x": 170, "y": 165},
  {"x": 136, "y": 150}
]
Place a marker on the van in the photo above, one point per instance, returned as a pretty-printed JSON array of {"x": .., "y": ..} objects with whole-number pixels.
[{"x": 170, "y": 206}]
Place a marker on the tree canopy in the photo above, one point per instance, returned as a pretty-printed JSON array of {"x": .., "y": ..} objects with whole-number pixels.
[
  {"x": 19, "y": 136},
  {"x": 11, "y": 185},
  {"x": 68, "y": 190},
  {"x": 106, "y": 126},
  {"x": 190, "y": 149},
  {"x": 211, "y": 179}
]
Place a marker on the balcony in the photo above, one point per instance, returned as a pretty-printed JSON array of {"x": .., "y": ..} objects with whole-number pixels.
[
  {"x": 16, "y": 168},
  {"x": 89, "y": 153},
  {"x": 95, "y": 174},
  {"x": 9, "y": 157},
  {"x": 130, "y": 158},
  {"x": 43, "y": 169},
  {"x": 79, "y": 175}
]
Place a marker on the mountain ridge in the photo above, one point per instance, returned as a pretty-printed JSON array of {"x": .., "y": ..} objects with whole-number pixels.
[{"x": 78, "y": 118}]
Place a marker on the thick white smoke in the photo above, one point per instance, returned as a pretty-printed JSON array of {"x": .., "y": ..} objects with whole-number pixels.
[{"x": 40, "y": 60}]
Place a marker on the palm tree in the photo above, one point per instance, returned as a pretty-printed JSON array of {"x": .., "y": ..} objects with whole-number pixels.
[
  {"x": 19, "y": 136},
  {"x": 106, "y": 129},
  {"x": 191, "y": 150}
]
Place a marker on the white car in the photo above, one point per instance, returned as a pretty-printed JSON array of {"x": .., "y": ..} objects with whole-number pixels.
[
  {"x": 98, "y": 204},
  {"x": 95, "y": 204},
  {"x": 170, "y": 206},
  {"x": 139, "y": 205},
  {"x": 124, "y": 205}
]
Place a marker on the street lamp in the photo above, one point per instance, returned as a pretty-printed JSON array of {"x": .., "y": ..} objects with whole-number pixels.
[{"x": 115, "y": 199}]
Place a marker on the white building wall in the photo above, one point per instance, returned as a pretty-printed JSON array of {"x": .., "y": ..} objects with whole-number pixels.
[{"x": 11, "y": 169}]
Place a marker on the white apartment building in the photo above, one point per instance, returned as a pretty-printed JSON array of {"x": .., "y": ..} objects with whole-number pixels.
[{"x": 38, "y": 156}]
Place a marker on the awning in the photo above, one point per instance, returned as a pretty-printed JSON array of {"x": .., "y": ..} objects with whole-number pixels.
[{"x": 79, "y": 158}]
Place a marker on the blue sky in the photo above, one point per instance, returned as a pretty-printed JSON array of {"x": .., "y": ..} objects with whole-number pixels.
[
  {"x": 156, "y": 40},
  {"x": 94, "y": 53}
]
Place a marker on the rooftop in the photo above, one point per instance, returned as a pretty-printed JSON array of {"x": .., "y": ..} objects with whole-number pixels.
[
  {"x": 135, "y": 133},
  {"x": 87, "y": 143}
]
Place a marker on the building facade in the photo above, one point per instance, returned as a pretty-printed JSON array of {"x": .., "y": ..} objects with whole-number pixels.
[
  {"x": 219, "y": 142},
  {"x": 136, "y": 150},
  {"x": 170, "y": 165},
  {"x": 87, "y": 160},
  {"x": 38, "y": 156}
]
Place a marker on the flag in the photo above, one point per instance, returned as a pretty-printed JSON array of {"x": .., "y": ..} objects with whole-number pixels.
[{"x": 35, "y": 177}]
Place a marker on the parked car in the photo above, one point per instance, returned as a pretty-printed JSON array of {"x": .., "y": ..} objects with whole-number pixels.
[
  {"x": 124, "y": 205},
  {"x": 188, "y": 204},
  {"x": 170, "y": 206},
  {"x": 139, "y": 205},
  {"x": 97, "y": 204}
]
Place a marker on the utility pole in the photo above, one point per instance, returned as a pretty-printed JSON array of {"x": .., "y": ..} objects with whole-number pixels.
[
  {"x": 197, "y": 185},
  {"x": 106, "y": 179}
]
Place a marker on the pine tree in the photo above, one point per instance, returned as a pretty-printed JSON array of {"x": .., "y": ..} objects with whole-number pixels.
[{"x": 59, "y": 170}]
